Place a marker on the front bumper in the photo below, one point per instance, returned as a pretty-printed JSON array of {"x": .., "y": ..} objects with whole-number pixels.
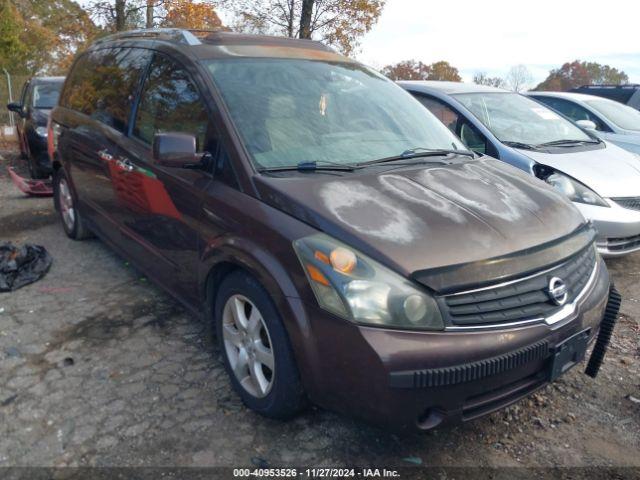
[
  {"x": 39, "y": 151},
  {"x": 420, "y": 380},
  {"x": 618, "y": 228}
]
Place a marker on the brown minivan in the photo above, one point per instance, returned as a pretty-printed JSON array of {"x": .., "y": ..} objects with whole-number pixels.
[{"x": 346, "y": 246}]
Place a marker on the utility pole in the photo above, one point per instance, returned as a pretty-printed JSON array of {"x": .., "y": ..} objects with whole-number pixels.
[{"x": 10, "y": 96}]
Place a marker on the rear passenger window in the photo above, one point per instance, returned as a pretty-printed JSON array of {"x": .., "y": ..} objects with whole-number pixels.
[
  {"x": 170, "y": 102},
  {"x": 104, "y": 82}
]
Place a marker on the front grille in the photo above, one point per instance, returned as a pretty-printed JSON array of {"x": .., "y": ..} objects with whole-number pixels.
[
  {"x": 620, "y": 244},
  {"x": 632, "y": 203},
  {"x": 522, "y": 300}
]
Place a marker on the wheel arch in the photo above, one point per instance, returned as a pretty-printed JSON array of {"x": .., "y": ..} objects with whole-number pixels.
[{"x": 235, "y": 254}]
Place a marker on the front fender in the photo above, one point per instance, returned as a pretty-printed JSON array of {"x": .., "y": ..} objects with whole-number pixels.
[{"x": 283, "y": 278}]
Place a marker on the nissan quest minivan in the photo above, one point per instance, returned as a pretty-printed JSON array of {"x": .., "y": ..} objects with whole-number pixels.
[{"x": 346, "y": 246}]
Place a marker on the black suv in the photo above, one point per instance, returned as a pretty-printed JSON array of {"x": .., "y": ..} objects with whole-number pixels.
[
  {"x": 39, "y": 95},
  {"x": 627, "y": 94}
]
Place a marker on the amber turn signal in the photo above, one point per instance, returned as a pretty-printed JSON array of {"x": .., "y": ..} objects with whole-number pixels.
[{"x": 316, "y": 275}]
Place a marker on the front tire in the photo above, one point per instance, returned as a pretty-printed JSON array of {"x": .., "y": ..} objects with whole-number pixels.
[
  {"x": 66, "y": 205},
  {"x": 255, "y": 348}
]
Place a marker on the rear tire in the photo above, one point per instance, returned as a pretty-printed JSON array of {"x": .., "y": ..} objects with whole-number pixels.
[
  {"x": 65, "y": 202},
  {"x": 255, "y": 348}
]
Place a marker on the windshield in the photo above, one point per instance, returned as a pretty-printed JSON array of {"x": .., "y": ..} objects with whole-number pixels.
[
  {"x": 623, "y": 116},
  {"x": 293, "y": 111},
  {"x": 45, "y": 95},
  {"x": 514, "y": 118}
]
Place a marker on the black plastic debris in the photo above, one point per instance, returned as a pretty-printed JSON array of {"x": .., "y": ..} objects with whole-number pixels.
[{"x": 22, "y": 265}]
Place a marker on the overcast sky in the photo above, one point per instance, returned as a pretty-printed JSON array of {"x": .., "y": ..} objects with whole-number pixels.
[{"x": 493, "y": 35}]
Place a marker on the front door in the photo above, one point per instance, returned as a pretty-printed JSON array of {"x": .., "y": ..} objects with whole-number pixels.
[{"x": 161, "y": 208}]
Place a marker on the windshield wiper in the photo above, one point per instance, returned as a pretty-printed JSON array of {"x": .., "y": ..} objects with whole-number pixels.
[
  {"x": 310, "y": 167},
  {"x": 521, "y": 145},
  {"x": 567, "y": 142},
  {"x": 419, "y": 152}
]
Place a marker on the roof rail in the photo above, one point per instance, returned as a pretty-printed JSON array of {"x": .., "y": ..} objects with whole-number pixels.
[
  {"x": 612, "y": 85},
  {"x": 179, "y": 35}
]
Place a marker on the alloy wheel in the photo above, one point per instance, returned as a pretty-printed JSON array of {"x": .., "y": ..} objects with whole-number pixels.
[
  {"x": 248, "y": 346},
  {"x": 66, "y": 204}
]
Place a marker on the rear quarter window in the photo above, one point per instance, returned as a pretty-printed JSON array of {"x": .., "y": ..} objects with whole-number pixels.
[{"x": 103, "y": 84}]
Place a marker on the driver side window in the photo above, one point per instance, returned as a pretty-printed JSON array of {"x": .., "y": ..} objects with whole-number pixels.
[
  {"x": 572, "y": 110},
  {"x": 170, "y": 102},
  {"x": 456, "y": 123}
]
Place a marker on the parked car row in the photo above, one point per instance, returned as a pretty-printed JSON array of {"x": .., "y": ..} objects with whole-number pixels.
[
  {"x": 601, "y": 179},
  {"x": 347, "y": 247}
]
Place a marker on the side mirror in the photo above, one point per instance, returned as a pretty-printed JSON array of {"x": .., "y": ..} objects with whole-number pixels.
[
  {"x": 175, "y": 150},
  {"x": 17, "y": 108},
  {"x": 587, "y": 124}
]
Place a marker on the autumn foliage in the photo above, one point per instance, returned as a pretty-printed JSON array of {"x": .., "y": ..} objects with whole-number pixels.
[
  {"x": 42, "y": 35},
  {"x": 339, "y": 23},
  {"x": 415, "y": 70},
  {"x": 575, "y": 74},
  {"x": 188, "y": 14}
]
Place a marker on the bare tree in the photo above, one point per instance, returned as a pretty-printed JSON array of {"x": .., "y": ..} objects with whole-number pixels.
[
  {"x": 519, "y": 78},
  {"x": 125, "y": 14},
  {"x": 481, "y": 78}
]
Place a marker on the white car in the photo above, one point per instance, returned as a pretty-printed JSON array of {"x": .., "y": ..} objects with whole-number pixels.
[{"x": 610, "y": 120}]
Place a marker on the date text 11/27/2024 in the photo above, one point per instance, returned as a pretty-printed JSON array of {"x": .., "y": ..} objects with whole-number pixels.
[{"x": 315, "y": 473}]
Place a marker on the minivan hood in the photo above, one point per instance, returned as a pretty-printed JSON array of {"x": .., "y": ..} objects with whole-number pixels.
[
  {"x": 609, "y": 171},
  {"x": 431, "y": 216}
]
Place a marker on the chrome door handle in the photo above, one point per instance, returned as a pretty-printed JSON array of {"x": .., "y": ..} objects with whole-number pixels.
[
  {"x": 105, "y": 155},
  {"x": 125, "y": 164}
]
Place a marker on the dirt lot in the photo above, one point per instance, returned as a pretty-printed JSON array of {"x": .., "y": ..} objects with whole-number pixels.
[{"x": 98, "y": 367}]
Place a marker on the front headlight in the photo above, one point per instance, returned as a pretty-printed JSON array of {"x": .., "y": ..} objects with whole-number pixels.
[
  {"x": 357, "y": 288},
  {"x": 42, "y": 131},
  {"x": 576, "y": 191}
]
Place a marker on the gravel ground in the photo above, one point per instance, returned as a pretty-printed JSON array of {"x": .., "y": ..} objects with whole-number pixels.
[{"x": 98, "y": 367}]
